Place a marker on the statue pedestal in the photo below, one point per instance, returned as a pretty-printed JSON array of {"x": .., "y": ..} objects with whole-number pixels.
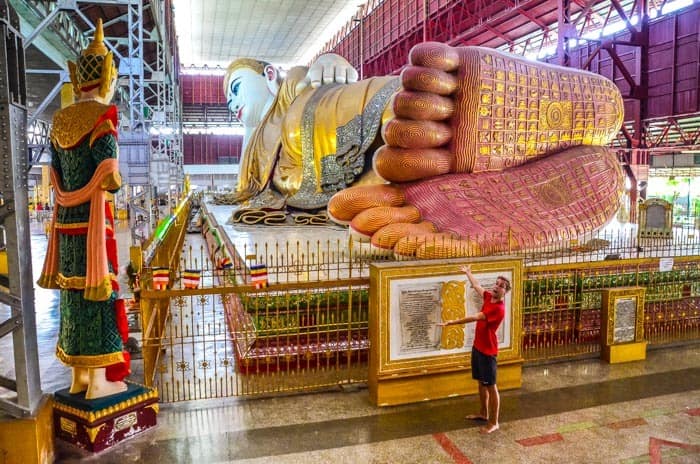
[
  {"x": 29, "y": 439},
  {"x": 625, "y": 352},
  {"x": 98, "y": 424}
]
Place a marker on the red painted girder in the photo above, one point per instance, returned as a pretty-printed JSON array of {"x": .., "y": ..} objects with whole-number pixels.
[{"x": 518, "y": 9}]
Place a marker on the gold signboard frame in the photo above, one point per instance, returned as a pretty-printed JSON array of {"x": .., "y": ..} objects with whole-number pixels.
[
  {"x": 622, "y": 339},
  {"x": 402, "y": 371},
  {"x": 649, "y": 226}
]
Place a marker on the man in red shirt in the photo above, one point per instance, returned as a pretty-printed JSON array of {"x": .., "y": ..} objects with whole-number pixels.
[{"x": 485, "y": 347}]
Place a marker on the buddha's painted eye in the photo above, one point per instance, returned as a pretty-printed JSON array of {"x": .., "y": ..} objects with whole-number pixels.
[{"x": 235, "y": 87}]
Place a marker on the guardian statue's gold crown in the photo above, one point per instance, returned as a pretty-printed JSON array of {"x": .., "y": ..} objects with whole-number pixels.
[{"x": 95, "y": 67}]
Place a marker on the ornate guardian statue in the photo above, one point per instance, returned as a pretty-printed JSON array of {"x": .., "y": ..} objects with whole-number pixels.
[
  {"x": 81, "y": 259},
  {"x": 471, "y": 151}
]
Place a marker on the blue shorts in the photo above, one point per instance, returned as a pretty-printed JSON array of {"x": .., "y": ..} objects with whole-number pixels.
[{"x": 483, "y": 367}]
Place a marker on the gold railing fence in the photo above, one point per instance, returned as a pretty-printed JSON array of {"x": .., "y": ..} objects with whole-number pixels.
[
  {"x": 160, "y": 252},
  {"x": 562, "y": 304},
  {"x": 165, "y": 251},
  {"x": 239, "y": 341},
  {"x": 306, "y": 329}
]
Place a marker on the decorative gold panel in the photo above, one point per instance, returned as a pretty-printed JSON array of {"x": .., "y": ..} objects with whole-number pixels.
[
  {"x": 623, "y": 315},
  {"x": 392, "y": 356}
]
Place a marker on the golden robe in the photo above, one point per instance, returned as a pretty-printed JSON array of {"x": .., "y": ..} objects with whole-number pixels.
[{"x": 311, "y": 145}]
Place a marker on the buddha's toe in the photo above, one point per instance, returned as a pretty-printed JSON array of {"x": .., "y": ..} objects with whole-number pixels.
[
  {"x": 405, "y": 247},
  {"x": 347, "y": 203},
  {"x": 384, "y": 239},
  {"x": 408, "y": 133},
  {"x": 435, "y": 55},
  {"x": 408, "y": 164},
  {"x": 428, "y": 80},
  {"x": 442, "y": 249},
  {"x": 423, "y": 106},
  {"x": 366, "y": 223}
]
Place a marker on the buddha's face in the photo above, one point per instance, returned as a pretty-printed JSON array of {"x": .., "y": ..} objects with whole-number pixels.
[{"x": 247, "y": 95}]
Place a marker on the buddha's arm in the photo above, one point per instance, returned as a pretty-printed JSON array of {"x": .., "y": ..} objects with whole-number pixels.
[{"x": 327, "y": 133}]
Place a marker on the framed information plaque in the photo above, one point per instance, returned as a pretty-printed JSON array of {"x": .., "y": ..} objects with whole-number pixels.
[
  {"x": 414, "y": 359},
  {"x": 622, "y": 327},
  {"x": 655, "y": 219}
]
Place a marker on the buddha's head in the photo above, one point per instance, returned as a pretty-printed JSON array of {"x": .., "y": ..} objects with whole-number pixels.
[{"x": 250, "y": 87}]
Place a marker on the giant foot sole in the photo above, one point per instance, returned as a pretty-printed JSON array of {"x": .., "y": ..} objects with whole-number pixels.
[{"x": 566, "y": 194}]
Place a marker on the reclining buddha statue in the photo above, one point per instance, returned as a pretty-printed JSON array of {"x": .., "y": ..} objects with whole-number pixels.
[{"x": 471, "y": 151}]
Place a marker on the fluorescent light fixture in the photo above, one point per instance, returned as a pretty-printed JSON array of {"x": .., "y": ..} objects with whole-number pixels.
[
  {"x": 203, "y": 71},
  {"x": 677, "y": 5},
  {"x": 592, "y": 35},
  {"x": 214, "y": 130},
  {"x": 161, "y": 130},
  {"x": 547, "y": 51},
  {"x": 613, "y": 28}
]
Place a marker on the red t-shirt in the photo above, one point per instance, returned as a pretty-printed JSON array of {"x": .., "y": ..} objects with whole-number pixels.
[{"x": 485, "y": 339}]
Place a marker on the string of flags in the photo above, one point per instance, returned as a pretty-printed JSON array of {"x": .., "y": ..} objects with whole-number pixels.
[
  {"x": 161, "y": 278},
  {"x": 190, "y": 278},
  {"x": 225, "y": 262},
  {"x": 258, "y": 275}
]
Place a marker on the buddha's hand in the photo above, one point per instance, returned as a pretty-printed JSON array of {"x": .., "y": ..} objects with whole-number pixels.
[
  {"x": 327, "y": 69},
  {"x": 485, "y": 154}
]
